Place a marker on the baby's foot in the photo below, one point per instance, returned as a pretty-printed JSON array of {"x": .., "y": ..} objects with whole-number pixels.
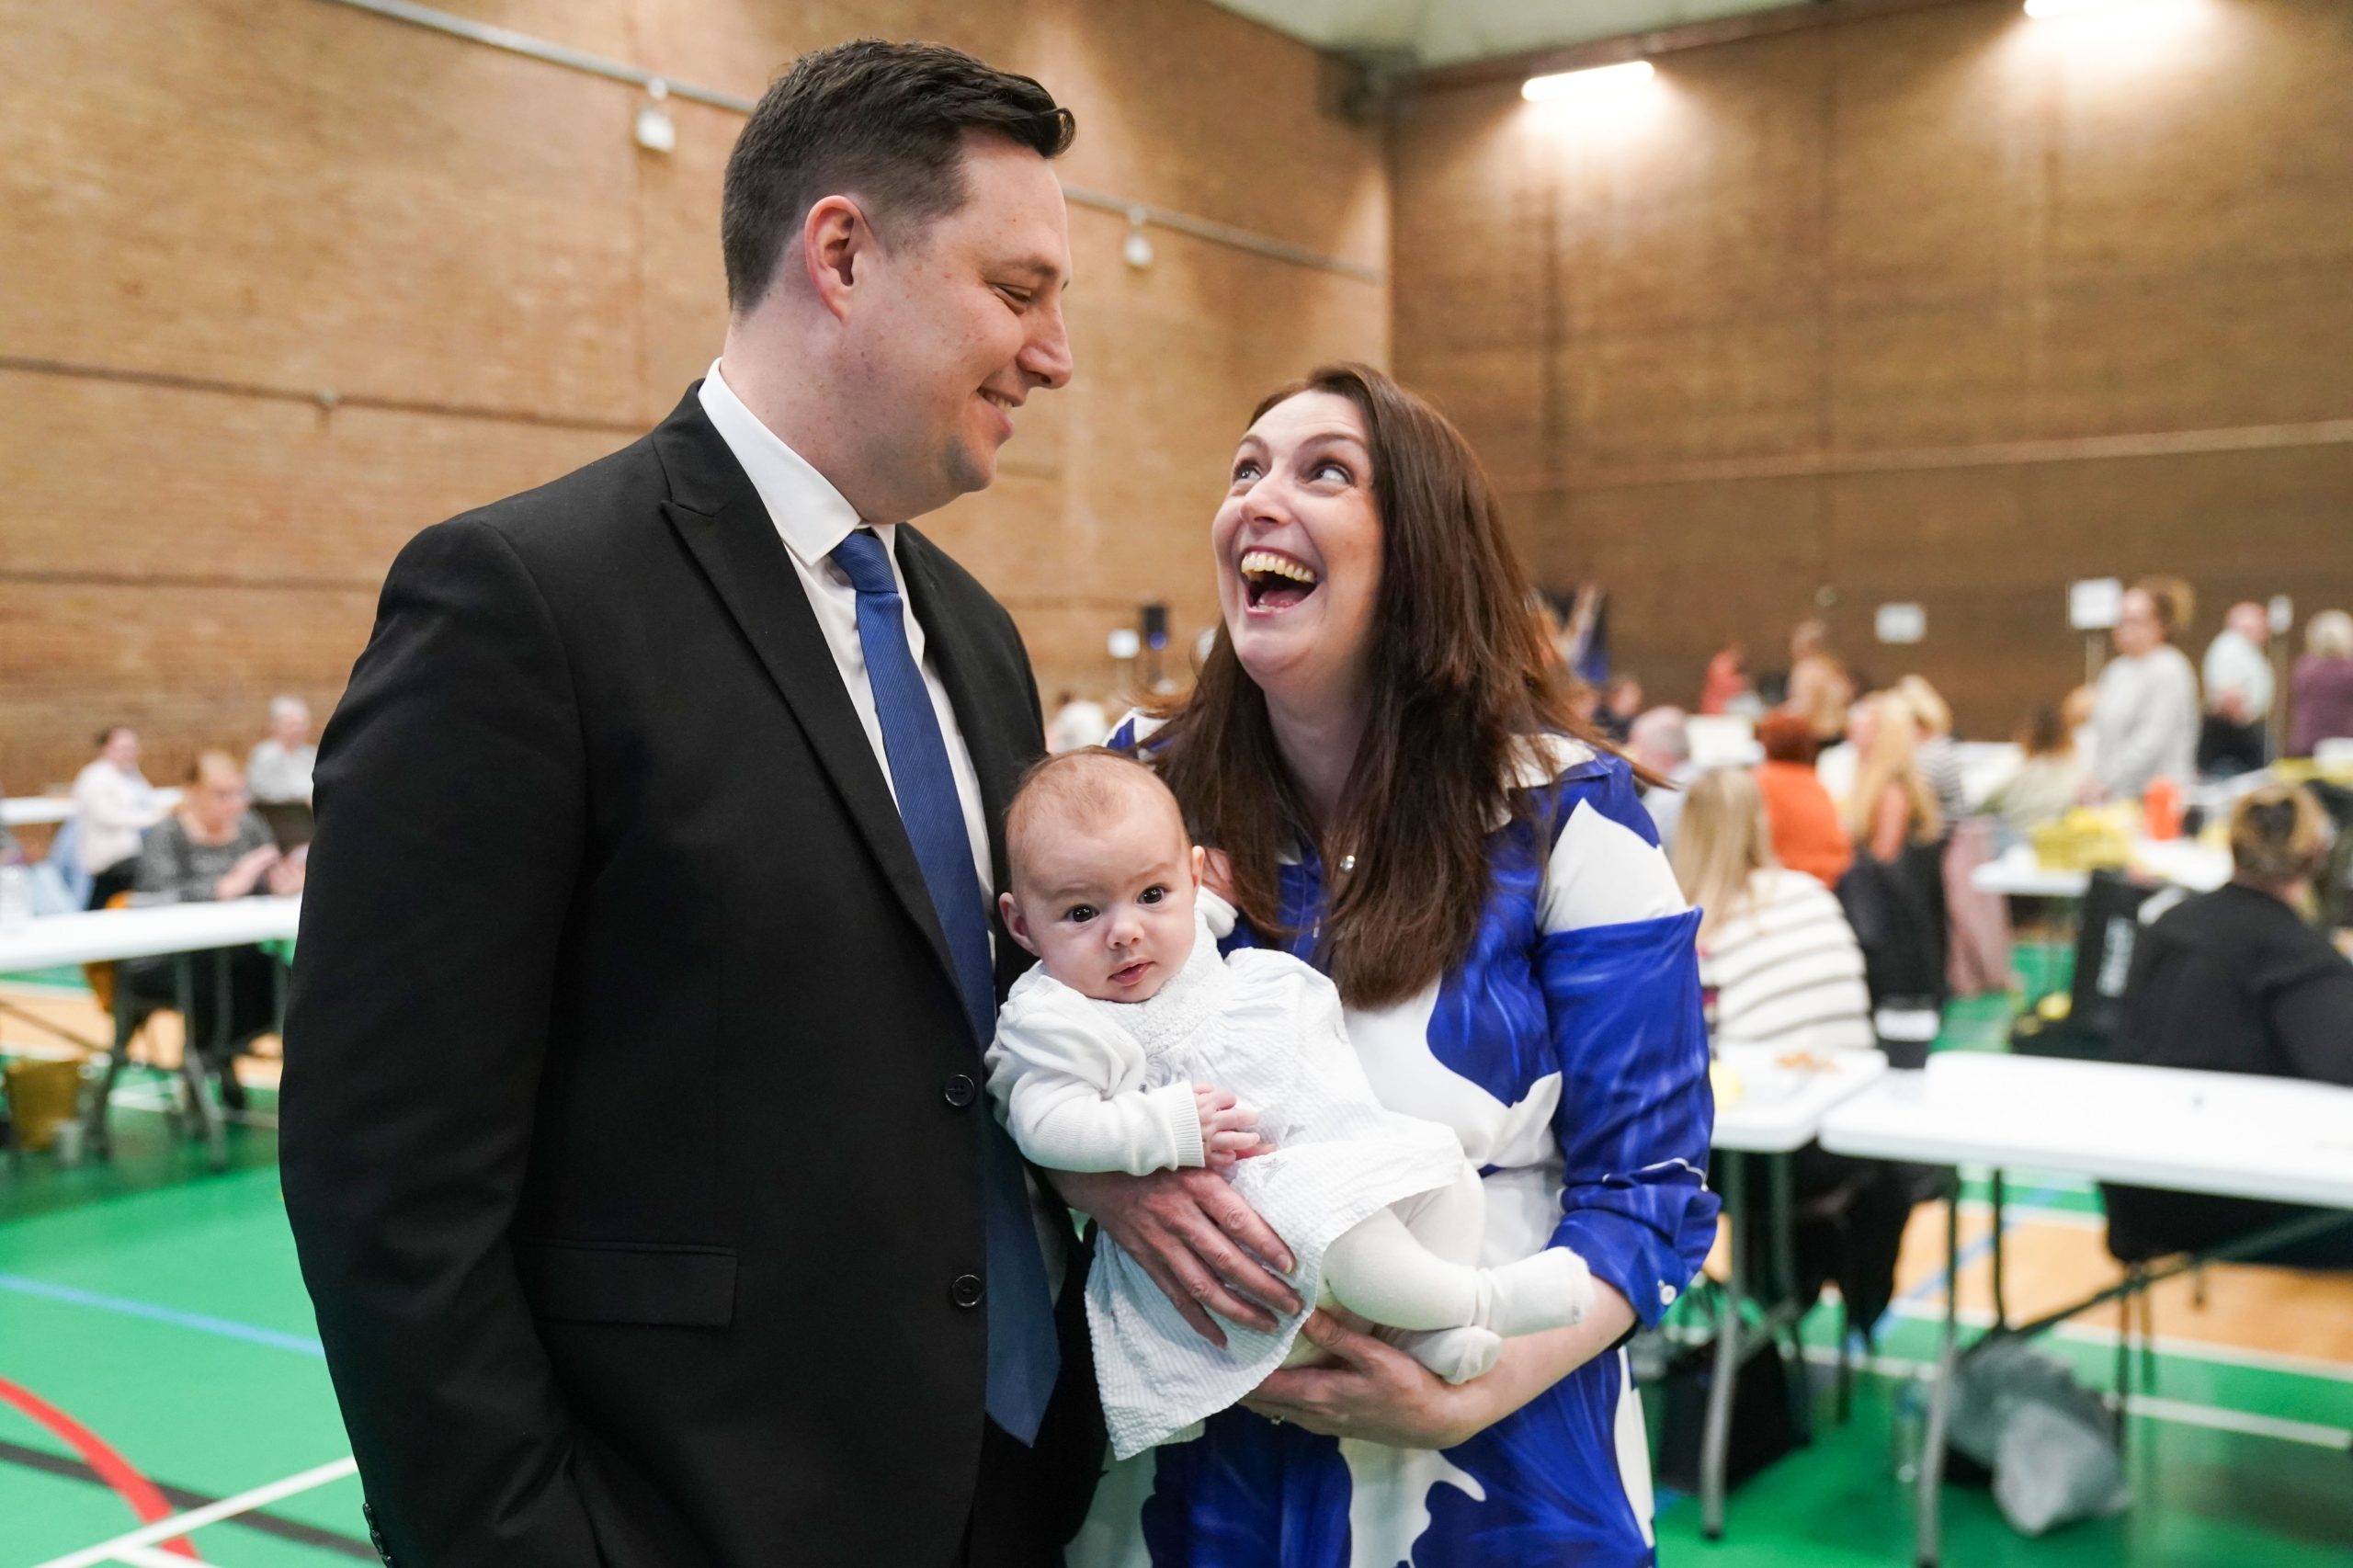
[
  {"x": 1457, "y": 1355},
  {"x": 1552, "y": 1290}
]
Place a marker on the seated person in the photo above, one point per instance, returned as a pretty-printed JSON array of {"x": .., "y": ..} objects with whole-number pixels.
[
  {"x": 213, "y": 848},
  {"x": 1778, "y": 961},
  {"x": 277, "y": 773},
  {"x": 2050, "y": 778},
  {"x": 1807, "y": 833},
  {"x": 2235, "y": 980},
  {"x": 1134, "y": 1047},
  {"x": 113, "y": 804}
]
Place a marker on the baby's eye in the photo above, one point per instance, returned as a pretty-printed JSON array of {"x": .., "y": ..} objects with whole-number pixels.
[
  {"x": 1079, "y": 913},
  {"x": 1151, "y": 894}
]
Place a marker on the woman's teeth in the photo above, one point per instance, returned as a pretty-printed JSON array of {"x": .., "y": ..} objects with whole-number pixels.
[
  {"x": 1275, "y": 582},
  {"x": 1259, "y": 564}
]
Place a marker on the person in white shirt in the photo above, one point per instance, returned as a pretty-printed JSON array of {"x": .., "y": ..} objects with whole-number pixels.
[
  {"x": 1660, "y": 742},
  {"x": 2146, "y": 718},
  {"x": 1134, "y": 1047},
  {"x": 2238, "y": 694},
  {"x": 113, "y": 805},
  {"x": 1078, "y": 722},
  {"x": 279, "y": 771},
  {"x": 1777, "y": 956}
]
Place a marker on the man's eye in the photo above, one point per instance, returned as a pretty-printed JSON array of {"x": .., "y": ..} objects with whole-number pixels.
[
  {"x": 1017, "y": 298},
  {"x": 1079, "y": 913},
  {"x": 1152, "y": 895}
]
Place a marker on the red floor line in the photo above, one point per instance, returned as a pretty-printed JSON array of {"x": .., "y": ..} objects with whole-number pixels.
[{"x": 134, "y": 1488}]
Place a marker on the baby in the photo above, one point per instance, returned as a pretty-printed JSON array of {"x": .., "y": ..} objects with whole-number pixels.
[{"x": 1134, "y": 1047}]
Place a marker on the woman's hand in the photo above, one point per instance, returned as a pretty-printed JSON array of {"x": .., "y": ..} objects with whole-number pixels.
[
  {"x": 1197, "y": 1238},
  {"x": 1380, "y": 1394},
  {"x": 238, "y": 879},
  {"x": 1377, "y": 1393}
]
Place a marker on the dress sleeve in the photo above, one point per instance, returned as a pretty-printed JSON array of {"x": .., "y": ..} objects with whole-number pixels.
[
  {"x": 1071, "y": 1094},
  {"x": 1620, "y": 975}
]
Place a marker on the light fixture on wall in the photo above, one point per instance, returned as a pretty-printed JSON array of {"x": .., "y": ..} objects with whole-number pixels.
[
  {"x": 2053, "y": 10},
  {"x": 1137, "y": 247},
  {"x": 1594, "y": 81},
  {"x": 655, "y": 130}
]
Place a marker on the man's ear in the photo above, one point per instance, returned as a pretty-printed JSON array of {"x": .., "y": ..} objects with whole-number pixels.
[
  {"x": 1011, "y": 912},
  {"x": 837, "y": 242}
]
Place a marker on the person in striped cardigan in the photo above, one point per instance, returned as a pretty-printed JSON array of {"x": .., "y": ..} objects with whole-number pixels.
[{"x": 1779, "y": 964}]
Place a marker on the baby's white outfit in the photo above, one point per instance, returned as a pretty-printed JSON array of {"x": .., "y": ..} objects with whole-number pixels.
[{"x": 1266, "y": 1027}]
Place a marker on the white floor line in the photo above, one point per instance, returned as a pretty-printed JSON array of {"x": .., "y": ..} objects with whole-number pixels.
[
  {"x": 2173, "y": 1412},
  {"x": 197, "y": 1519},
  {"x": 151, "y": 1557},
  {"x": 2092, "y": 1332}
]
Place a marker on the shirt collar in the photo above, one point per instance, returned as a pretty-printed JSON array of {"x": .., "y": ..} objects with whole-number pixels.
[{"x": 810, "y": 515}]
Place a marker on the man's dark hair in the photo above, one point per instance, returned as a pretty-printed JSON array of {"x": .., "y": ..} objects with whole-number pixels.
[{"x": 883, "y": 121}]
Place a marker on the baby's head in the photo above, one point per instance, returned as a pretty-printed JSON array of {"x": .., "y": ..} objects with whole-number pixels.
[{"x": 1103, "y": 875}]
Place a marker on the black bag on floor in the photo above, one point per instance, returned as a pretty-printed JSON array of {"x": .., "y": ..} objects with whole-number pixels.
[{"x": 1762, "y": 1430}]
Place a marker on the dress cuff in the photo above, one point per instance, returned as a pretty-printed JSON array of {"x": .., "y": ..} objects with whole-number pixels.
[{"x": 1182, "y": 1115}]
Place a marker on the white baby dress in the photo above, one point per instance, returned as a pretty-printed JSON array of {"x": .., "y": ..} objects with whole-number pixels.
[{"x": 1267, "y": 1027}]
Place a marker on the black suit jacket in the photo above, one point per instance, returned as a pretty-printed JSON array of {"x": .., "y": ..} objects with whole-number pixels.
[{"x": 630, "y": 1116}]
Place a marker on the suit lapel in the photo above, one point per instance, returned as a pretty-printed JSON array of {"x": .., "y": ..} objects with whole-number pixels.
[{"x": 728, "y": 530}]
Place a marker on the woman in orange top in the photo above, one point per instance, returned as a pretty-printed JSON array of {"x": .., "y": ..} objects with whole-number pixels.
[{"x": 1807, "y": 835}]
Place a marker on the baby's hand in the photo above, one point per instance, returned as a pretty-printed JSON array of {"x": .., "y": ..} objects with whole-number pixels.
[{"x": 1229, "y": 1128}]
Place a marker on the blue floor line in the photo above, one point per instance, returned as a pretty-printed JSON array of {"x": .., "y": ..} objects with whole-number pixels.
[
  {"x": 1982, "y": 1247},
  {"x": 225, "y": 1328}
]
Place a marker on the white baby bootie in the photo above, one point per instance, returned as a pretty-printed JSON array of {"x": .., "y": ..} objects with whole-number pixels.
[
  {"x": 1552, "y": 1290},
  {"x": 1457, "y": 1355}
]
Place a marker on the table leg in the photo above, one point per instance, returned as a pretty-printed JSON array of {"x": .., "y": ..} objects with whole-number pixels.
[
  {"x": 192, "y": 1072},
  {"x": 2001, "y": 1303},
  {"x": 1781, "y": 1177},
  {"x": 97, "y": 1128},
  {"x": 1932, "y": 1446},
  {"x": 1715, "y": 1439}
]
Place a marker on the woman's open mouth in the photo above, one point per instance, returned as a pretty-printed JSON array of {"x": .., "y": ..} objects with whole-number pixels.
[{"x": 1275, "y": 582}]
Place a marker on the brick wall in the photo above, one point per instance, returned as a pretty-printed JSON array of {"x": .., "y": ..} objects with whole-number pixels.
[
  {"x": 466, "y": 252},
  {"x": 1947, "y": 306}
]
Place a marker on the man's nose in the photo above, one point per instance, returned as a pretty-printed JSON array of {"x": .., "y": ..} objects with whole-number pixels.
[{"x": 1047, "y": 354}]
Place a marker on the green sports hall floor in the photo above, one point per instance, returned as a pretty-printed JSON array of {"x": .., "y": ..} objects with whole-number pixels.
[{"x": 155, "y": 1310}]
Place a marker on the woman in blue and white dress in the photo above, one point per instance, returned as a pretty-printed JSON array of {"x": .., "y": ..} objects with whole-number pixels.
[{"x": 1398, "y": 797}]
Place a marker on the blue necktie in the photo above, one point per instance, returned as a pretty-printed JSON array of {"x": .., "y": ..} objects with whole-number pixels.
[{"x": 1023, "y": 1356}]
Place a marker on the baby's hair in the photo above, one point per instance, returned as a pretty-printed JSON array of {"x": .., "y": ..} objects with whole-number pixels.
[{"x": 1084, "y": 786}]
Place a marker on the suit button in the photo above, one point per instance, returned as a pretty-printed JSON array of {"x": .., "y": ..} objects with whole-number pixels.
[
  {"x": 962, "y": 1091},
  {"x": 375, "y": 1536},
  {"x": 966, "y": 1291}
]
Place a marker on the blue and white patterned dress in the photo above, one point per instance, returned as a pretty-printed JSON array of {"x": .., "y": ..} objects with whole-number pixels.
[{"x": 1568, "y": 1052}]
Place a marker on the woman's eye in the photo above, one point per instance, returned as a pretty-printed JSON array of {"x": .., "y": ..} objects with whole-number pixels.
[
  {"x": 1152, "y": 895},
  {"x": 1333, "y": 468},
  {"x": 1079, "y": 913},
  {"x": 1247, "y": 469}
]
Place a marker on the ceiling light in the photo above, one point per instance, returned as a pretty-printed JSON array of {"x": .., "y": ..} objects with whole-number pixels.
[
  {"x": 2051, "y": 10},
  {"x": 1581, "y": 84}
]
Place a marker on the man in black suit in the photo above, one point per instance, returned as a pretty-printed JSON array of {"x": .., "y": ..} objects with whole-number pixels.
[{"x": 633, "y": 1133}]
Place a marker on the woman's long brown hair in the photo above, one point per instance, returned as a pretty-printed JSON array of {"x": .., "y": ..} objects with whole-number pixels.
[{"x": 1458, "y": 680}]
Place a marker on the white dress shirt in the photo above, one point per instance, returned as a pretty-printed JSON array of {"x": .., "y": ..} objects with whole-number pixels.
[{"x": 813, "y": 519}]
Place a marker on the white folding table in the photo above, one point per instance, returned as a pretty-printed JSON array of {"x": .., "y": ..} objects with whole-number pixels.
[
  {"x": 2235, "y": 1135},
  {"x": 2183, "y": 862},
  {"x": 182, "y": 930},
  {"x": 1779, "y": 1110},
  {"x": 48, "y": 810}
]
